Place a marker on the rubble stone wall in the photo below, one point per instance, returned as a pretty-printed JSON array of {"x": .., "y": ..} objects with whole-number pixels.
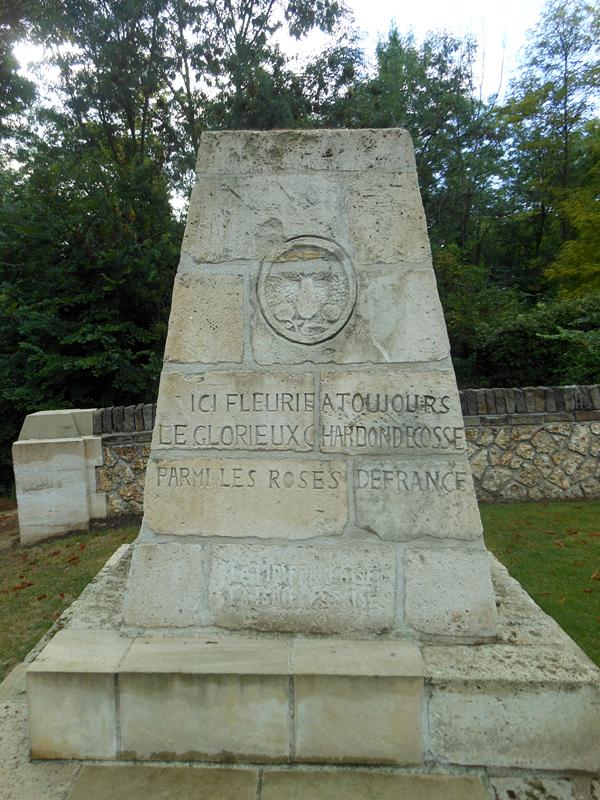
[{"x": 538, "y": 443}]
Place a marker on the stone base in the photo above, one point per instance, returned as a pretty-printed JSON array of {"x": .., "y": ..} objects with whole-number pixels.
[
  {"x": 353, "y": 589},
  {"x": 529, "y": 701},
  {"x": 93, "y": 694}
]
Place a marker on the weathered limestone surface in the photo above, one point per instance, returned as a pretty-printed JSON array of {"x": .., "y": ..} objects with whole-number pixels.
[
  {"x": 311, "y": 588},
  {"x": 308, "y": 427},
  {"x": 152, "y": 783},
  {"x": 206, "y": 322},
  {"x": 54, "y": 460}
]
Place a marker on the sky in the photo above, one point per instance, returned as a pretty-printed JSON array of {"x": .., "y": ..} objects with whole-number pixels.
[{"x": 500, "y": 27}]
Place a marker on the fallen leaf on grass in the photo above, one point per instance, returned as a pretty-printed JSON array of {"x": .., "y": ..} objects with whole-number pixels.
[
  {"x": 41, "y": 597},
  {"x": 559, "y": 544},
  {"x": 61, "y": 595},
  {"x": 595, "y": 576},
  {"x": 82, "y": 546},
  {"x": 73, "y": 560},
  {"x": 55, "y": 553},
  {"x": 23, "y": 585},
  {"x": 588, "y": 591}
]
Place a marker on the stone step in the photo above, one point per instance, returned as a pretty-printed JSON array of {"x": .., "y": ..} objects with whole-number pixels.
[
  {"x": 183, "y": 783},
  {"x": 95, "y": 695}
]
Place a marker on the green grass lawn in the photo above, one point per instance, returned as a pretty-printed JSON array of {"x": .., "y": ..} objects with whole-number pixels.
[
  {"x": 553, "y": 549},
  {"x": 38, "y": 583}
]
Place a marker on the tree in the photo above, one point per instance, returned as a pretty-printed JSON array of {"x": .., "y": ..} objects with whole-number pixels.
[
  {"x": 146, "y": 76},
  {"x": 576, "y": 269},
  {"x": 16, "y": 92},
  {"x": 87, "y": 259},
  {"x": 429, "y": 89},
  {"x": 546, "y": 113}
]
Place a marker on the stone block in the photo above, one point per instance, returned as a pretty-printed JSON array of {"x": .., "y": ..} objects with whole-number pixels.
[
  {"x": 63, "y": 424},
  {"x": 500, "y": 402},
  {"x": 72, "y": 715},
  {"x": 207, "y": 319},
  {"x": 490, "y": 401},
  {"x": 148, "y": 414},
  {"x": 520, "y": 403},
  {"x": 207, "y": 655},
  {"x": 241, "y": 497},
  {"x": 208, "y": 717},
  {"x": 167, "y": 586},
  {"x": 316, "y": 589},
  {"x": 236, "y": 411},
  {"x": 360, "y": 720},
  {"x": 107, "y": 420},
  {"x": 97, "y": 421},
  {"x": 449, "y": 592},
  {"x": 159, "y": 783},
  {"x": 71, "y": 696},
  {"x": 539, "y": 396},
  {"x": 396, "y": 410},
  {"x": 356, "y": 785},
  {"x": 513, "y": 724},
  {"x": 139, "y": 417},
  {"x": 255, "y": 152},
  {"x": 472, "y": 402},
  {"x": 119, "y": 419},
  {"x": 530, "y": 404},
  {"x": 509, "y": 400},
  {"x": 385, "y": 219},
  {"x": 408, "y": 499},
  {"x": 367, "y": 658},
  {"x": 242, "y": 218},
  {"x": 51, "y": 487},
  {"x": 397, "y": 318},
  {"x": 129, "y": 418}
]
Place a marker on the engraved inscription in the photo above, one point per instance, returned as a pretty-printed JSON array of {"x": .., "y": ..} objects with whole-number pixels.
[
  {"x": 413, "y": 497},
  {"x": 280, "y": 498},
  {"x": 278, "y": 411},
  {"x": 376, "y": 412},
  {"x": 410, "y": 480},
  {"x": 307, "y": 289},
  {"x": 283, "y": 589},
  {"x": 236, "y": 411}
]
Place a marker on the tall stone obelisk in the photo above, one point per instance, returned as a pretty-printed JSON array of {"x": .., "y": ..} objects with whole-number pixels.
[{"x": 309, "y": 469}]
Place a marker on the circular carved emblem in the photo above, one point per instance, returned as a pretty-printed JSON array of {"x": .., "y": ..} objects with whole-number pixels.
[{"x": 307, "y": 289}]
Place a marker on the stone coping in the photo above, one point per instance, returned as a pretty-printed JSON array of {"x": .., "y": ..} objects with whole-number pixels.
[{"x": 106, "y": 651}]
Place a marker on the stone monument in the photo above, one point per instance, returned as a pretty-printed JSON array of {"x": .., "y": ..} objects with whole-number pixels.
[
  {"x": 308, "y": 470},
  {"x": 310, "y": 579}
]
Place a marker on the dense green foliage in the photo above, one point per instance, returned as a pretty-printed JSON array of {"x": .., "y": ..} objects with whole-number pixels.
[{"x": 88, "y": 173}]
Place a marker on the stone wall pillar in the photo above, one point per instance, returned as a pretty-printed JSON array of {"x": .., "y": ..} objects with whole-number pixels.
[{"x": 55, "y": 460}]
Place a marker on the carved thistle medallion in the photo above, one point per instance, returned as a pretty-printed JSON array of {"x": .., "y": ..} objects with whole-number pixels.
[{"x": 307, "y": 289}]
